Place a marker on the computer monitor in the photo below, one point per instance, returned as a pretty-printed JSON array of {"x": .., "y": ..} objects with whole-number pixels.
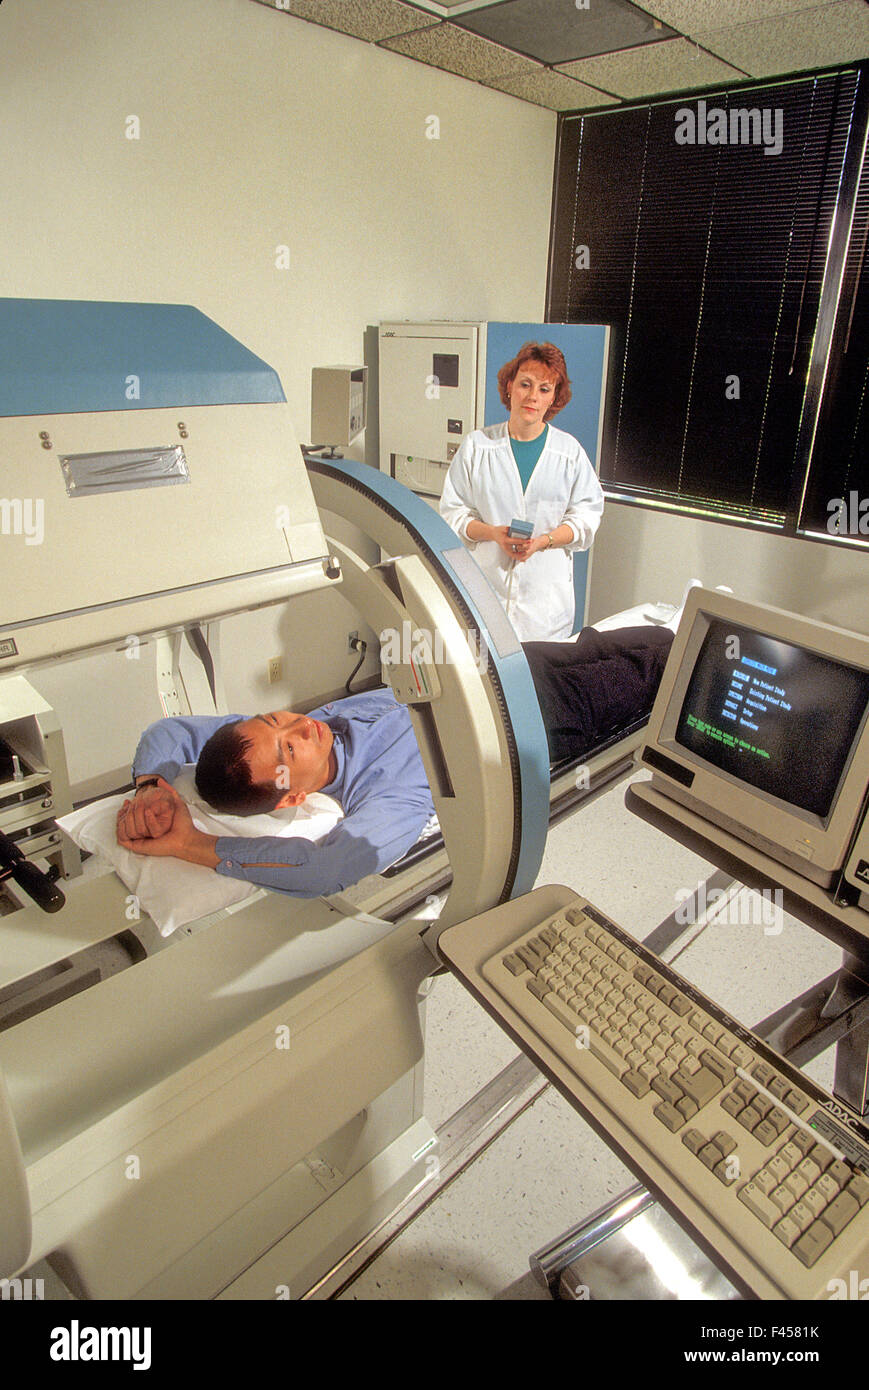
[{"x": 761, "y": 727}]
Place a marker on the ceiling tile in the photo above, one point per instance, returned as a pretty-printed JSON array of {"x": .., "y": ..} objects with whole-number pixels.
[
  {"x": 730, "y": 40},
  {"x": 815, "y": 38},
  {"x": 363, "y": 19},
  {"x": 557, "y": 31},
  {"x": 674, "y": 66},
  {"x": 468, "y": 55},
  {"x": 689, "y": 16},
  {"x": 552, "y": 89}
]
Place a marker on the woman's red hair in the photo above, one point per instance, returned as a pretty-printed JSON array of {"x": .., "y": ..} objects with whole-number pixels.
[{"x": 550, "y": 357}]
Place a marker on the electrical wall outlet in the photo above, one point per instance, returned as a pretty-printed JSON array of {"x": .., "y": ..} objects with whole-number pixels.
[
  {"x": 274, "y": 669},
  {"x": 351, "y": 638}
]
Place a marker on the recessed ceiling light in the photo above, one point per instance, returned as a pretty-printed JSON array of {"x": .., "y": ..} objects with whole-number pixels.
[{"x": 448, "y": 9}]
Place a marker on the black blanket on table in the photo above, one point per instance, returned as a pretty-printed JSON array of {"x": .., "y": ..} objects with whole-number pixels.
[{"x": 596, "y": 684}]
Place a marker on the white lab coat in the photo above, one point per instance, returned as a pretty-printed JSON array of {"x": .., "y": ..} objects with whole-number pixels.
[{"x": 483, "y": 484}]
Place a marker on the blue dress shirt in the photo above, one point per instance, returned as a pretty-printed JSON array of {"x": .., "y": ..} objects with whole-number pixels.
[{"x": 380, "y": 784}]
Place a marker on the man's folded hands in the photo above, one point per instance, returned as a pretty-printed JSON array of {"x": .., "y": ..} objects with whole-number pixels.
[{"x": 157, "y": 822}]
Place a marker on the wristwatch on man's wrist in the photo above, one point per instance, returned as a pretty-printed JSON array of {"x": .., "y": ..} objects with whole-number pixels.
[{"x": 148, "y": 782}]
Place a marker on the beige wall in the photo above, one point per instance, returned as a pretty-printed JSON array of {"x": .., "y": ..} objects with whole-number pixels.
[
  {"x": 257, "y": 131},
  {"x": 642, "y": 555}
]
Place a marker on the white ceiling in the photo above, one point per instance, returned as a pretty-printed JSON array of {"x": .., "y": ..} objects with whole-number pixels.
[{"x": 576, "y": 54}]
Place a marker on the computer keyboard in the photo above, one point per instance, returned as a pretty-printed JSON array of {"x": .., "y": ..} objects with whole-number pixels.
[{"x": 755, "y": 1155}]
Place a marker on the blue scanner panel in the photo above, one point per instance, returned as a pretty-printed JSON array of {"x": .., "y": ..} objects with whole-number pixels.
[{"x": 69, "y": 356}]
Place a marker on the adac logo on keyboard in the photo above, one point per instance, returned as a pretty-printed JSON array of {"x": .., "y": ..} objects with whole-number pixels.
[{"x": 833, "y": 1108}]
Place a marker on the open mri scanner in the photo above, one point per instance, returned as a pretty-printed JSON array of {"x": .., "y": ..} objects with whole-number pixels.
[{"x": 229, "y": 1114}]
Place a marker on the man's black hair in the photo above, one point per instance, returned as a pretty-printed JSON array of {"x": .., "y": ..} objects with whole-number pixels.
[{"x": 223, "y": 776}]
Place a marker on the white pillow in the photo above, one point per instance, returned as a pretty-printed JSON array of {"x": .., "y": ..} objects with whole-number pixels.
[{"x": 172, "y": 891}]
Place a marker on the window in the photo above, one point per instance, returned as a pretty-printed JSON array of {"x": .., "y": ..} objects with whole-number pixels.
[
  {"x": 839, "y": 472},
  {"x": 700, "y": 229}
]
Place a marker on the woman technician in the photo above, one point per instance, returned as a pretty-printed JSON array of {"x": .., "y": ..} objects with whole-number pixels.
[{"x": 526, "y": 470}]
